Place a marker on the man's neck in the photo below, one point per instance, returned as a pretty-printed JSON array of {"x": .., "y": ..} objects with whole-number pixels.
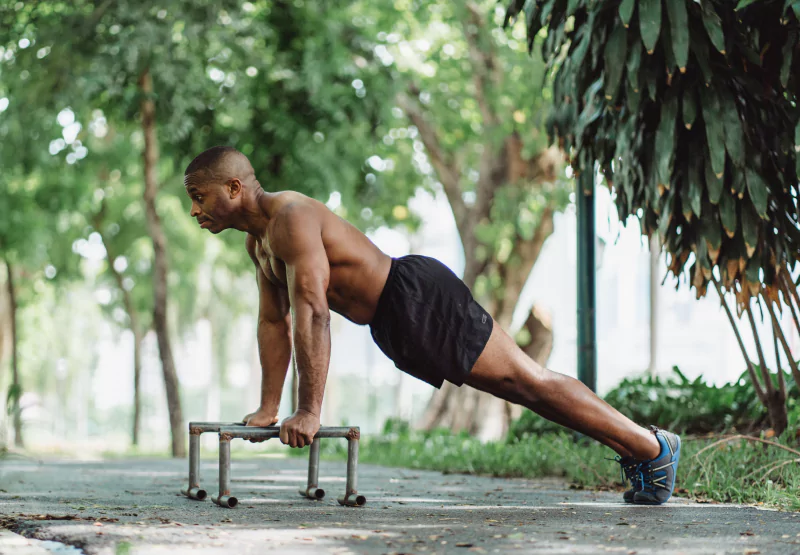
[{"x": 255, "y": 214}]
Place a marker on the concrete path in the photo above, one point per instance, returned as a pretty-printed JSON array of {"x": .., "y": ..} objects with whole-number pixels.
[{"x": 133, "y": 507}]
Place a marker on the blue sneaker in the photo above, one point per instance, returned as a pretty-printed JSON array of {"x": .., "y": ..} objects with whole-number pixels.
[
  {"x": 656, "y": 479},
  {"x": 629, "y": 472}
]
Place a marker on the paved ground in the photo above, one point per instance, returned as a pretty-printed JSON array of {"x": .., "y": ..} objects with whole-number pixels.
[{"x": 132, "y": 507}]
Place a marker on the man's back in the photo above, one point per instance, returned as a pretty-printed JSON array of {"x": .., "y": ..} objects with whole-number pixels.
[{"x": 358, "y": 269}]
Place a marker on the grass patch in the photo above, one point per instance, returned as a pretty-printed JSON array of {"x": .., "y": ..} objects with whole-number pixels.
[{"x": 735, "y": 471}]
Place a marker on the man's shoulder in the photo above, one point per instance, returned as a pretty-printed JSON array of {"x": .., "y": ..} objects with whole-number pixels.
[{"x": 298, "y": 211}]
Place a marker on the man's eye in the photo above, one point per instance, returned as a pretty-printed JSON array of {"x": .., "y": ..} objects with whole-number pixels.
[{"x": 198, "y": 198}]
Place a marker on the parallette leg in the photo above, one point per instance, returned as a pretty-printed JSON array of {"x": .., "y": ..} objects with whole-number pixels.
[
  {"x": 312, "y": 490},
  {"x": 193, "y": 491},
  {"x": 225, "y": 499},
  {"x": 351, "y": 497}
]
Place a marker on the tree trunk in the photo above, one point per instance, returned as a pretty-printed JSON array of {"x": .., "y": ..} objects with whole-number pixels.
[
  {"x": 16, "y": 387},
  {"x": 464, "y": 408},
  {"x": 137, "y": 385},
  {"x": 160, "y": 269},
  {"x": 133, "y": 321},
  {"x": 776, "y": 409}
]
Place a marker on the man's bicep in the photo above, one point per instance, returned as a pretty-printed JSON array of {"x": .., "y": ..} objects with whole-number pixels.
[{"x": 307, "y": 266}]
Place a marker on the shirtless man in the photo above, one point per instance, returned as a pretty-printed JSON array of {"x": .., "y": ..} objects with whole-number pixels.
[{"x": 309, "y": 262}]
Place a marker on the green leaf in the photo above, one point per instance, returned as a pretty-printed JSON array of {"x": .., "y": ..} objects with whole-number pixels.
[
  {"x": 702, "y": 254},
  {"x": 650, "y": 23},
  {"x": 532, "y": 18},
  {"x": 695, "y": 186},
  {"x": 634, "y": 99},
  {"x": 796, "y": 151},
  {"x": 689, "y": 108},
  {"x": 713, "y": 25},
  {"x": 626, "y": 11},
  {"x": 713, "y": 183},
  {"x": 666, "y": 44},
  {"x": 651, "y": 81},
  {"x": 700, "y": 50},
  {"x": 666, "y": 213},
  {"x": 788, "y": 50},
  {"x": 727, "y": 213},
  {"x": 744, "y": 3},
  {"x": 634, "y": 60},
  {"x": 547, "y": 8},
  {"x": 749, "y": 229},
  {"x": 710, "y": 230},
  {"x": 572, "y": 5},
  {"x": 752, "y": 270},
  {"x": 757, "y": 189},
  {"x": 615, "y": 52},
  {"x": 679, "y": 31},
  {"x": 686, "y": 200},
  {"x": 734, "y": 134},
  {"x": 665, "y": 140},
  {"x": 582, "y": 46},
  {"x": 715, "y": 133},
  {"x": 738, "y": 183}
]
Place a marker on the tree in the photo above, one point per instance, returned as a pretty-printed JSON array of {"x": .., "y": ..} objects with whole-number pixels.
[
  {"x": 157, "y": 77},
  {"x": 690, "y": 110},
  {"x": 465, "y": 93}
]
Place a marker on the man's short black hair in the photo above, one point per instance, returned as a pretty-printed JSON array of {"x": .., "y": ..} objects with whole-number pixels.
[{"x": 212, "y": 160}]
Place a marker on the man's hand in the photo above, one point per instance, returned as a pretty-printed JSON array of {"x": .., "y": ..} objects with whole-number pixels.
[
  {"x": 299, "y": 429},
  {"x": 261, "y": 417}
]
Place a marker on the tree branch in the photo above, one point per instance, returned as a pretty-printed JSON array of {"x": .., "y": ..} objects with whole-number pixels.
[
  {"x": 785, "y": 344},
  {"x": 791, "y": 293},
  {"x": 761, "y": 360},
  {"x": 446, "y": 170},
  {"x": 750, "y": 370},
  {"x": 781, "y": 379},
  {"x": 485, "y": 68},
  {"x": 486, "y": 75}
]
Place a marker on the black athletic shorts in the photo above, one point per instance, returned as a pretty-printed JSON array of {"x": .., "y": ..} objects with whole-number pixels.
[{"x": 428, "y": 323}]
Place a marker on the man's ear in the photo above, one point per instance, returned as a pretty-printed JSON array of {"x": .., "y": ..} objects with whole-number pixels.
[{"x": 235, "y": 188}]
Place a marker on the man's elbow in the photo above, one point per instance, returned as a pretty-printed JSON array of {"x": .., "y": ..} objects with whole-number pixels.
[
  {"x": 317, "y": 312},
  {"x": 321, "y": 315}
]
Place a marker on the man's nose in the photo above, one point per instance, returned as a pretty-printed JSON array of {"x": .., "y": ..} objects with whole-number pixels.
[{"x": 195, "y": 211}]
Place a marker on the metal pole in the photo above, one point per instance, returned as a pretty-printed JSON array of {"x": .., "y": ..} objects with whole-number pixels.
[
  {"x": 655, "y": 248},
  {"x": 225, "y": 499},
  {"x": 312, "y": 491},
  {"x": 194, "y": 491},
  {"x": 587, "y": 346},
  {"x": 351, "y": 497}
]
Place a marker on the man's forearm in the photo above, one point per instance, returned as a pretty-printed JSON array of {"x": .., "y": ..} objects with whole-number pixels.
[
  {"x": 312, "y": 340},
  {"x": 275, "y": 353}
]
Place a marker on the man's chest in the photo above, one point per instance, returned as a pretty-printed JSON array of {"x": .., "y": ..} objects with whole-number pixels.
[{"x": 272, "y": 266}]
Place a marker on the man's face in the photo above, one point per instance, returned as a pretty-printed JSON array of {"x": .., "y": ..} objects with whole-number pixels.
[{"x": 211, "y": 204}]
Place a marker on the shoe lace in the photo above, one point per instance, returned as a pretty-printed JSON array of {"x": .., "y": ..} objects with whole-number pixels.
[
  {"x": 648, "y": 479},
  {"x": 629, "y": 470}
]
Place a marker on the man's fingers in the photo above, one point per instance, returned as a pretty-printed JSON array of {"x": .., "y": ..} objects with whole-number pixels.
[{"x": 284, "y": 434}]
